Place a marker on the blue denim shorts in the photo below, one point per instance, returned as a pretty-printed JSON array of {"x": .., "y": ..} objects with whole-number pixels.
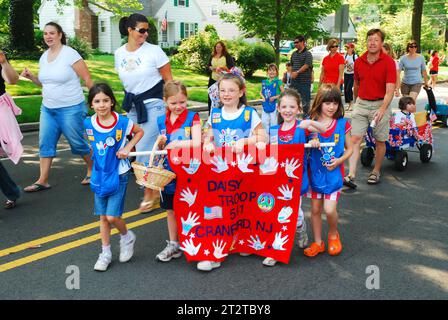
[
  {"x": 155, "y": 109},
  {"x": 70, "y": 122},
  {"x": 113, "y": 205}
]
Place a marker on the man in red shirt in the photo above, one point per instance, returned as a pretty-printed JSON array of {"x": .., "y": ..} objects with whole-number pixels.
[{"x": 375, "y": 78}]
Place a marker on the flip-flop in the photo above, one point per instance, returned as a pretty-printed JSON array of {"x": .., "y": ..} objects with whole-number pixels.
[
  {"x": 36, "y": 187},
  {"x": 86, "y": 181},
  {"x": 349, "y": 182}
]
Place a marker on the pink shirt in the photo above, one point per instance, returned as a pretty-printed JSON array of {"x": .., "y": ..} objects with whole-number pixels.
[{"x": 10, "y": 134}]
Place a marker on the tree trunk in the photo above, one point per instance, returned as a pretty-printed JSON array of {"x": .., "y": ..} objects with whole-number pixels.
[
  {"x": 417, "y": 12},
  {"x": 21, "y": 28},
  {"x": 278, "y": 32}
]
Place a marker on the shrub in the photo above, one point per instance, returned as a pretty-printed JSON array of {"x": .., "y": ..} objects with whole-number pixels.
[
  {"x": 152, "y": 34},
  {"x": 195, "y": 51},
  {"x": 255, "y": 56},
  {"x": 83, "y": 48},
  {"x": 39, "y": 40},
  {"x": 170, "y": 51}
]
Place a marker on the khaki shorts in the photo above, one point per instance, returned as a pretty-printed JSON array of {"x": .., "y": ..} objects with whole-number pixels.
[
  {"x": 362, "y": 116},
  {"x": 406, "y": 89}
]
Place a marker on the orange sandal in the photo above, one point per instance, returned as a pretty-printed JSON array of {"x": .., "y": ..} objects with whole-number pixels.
[
  {"x": 334, "y": 245},
  {"x": 314, "y": 249}
]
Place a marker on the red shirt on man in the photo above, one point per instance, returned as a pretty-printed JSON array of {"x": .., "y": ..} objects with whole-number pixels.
[
  {"x": 331, "y": 68},
  {"x": 374, "y": 77}
]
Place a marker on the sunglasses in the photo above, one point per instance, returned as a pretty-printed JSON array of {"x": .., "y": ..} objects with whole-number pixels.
[
  {"x": 413, "y": 46},
  {"x": 141, "y": 30},
  {"x": 334, "y": 46}
]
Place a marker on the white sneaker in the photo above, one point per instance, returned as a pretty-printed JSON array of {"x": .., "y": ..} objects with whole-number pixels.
[
  {"x": 208, "y": 265},
  {"x": 103, "y": 262},
  {"x": 302, "y": 236},
  {"x": 127, "y": 249},
  {"x": 245, "y": 254},
  {"x": 171, "y": 251},
  {"x": 269, "y": 262}
]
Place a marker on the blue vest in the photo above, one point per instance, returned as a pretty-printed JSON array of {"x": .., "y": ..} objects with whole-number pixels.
[
  {"x": 226, "y": 132},
  {"x": 299, "y": 137},
  {"x": 321, "y": 179},
  {"x": 105, "y": 179},
  {"x": 183, "y": 133},
  {"x": 269, "y": 90}
]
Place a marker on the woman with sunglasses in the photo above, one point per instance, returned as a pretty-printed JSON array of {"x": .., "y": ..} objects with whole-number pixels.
[
  {"x": 332, "y": 70},
  {"x": 414, "y": 66},
  {"x": 143, "y": 68}
]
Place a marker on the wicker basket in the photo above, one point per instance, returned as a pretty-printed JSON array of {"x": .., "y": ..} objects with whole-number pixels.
[{"x": 152, "y": 177}]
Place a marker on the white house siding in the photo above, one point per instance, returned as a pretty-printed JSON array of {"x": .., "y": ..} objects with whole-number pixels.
[
  {"x": 225, "y": 30},
  {"x": 47, "y": 13},
  {"x": 178, "y": 14}
]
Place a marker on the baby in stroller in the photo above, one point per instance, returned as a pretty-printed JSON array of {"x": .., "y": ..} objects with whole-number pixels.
[{"x": 405, "y": 119}]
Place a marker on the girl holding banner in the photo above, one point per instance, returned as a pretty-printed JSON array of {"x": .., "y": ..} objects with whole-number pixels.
[
  {"x": 180, "y": 128},
  {"x": 327, "y": 167},
  {"x": 232, "y": 125},
  {"x": 293, "y": 131}
]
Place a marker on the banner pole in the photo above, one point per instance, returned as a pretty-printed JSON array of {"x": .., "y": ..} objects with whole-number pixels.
[{"x": 164, "y": 152}]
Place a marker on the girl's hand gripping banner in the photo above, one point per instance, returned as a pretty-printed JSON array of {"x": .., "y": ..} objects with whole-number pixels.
[{"x": 227, "y": 203}]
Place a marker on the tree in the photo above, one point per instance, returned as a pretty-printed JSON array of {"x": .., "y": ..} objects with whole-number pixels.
[
  {"x": 21, "y": 35},
  {"x": 117, "y": 7},
  {"x": 275, "y": 20},
  {"x": 417, "y": 12}
]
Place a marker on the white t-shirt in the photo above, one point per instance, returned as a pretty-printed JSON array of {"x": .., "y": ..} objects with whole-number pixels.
[
  {"x": 60, "y": 83},
  {"x": 400, "y": 117},
  {"x": 350, "y": 64},
  {"x": 124, "y": 164},
  {"x": 139, "y": 70},
  {"x": 255, "y": 121}
]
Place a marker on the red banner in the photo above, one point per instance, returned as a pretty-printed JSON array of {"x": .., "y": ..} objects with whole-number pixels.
[{"x": 227, "y": 203}]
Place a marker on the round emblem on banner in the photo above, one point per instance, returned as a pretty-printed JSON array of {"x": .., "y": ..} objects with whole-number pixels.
[
  {"x": 266, "y": 202},
  {"x": 110, "y": 141}
]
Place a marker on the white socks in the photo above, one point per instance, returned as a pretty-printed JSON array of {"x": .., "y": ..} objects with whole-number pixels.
[{"x": 106, "y": 250}]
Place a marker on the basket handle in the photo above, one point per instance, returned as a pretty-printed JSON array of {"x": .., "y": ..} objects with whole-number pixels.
[{"x": 153, "y": 153}]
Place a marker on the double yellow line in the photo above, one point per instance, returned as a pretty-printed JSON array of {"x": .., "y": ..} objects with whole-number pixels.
[{"x": 67, "y": 246}]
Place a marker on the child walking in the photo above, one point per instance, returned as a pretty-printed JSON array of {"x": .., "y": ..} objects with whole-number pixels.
[
  {"x": 327, "y": 168},
  {"x": 270, "y": 91},
  {"x": 287, "y": 75},
  {"x": 106, "y": 131},
  {"x": 180, "y": 128},
  {"x": 293, "y": 131},
  {"x": 232, "y": 125}
]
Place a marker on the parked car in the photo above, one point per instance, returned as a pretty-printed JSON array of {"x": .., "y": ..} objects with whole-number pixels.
[{"x": 319, "y": 52}]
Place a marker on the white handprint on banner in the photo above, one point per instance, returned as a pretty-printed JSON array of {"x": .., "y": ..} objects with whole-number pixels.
[
  {"x": 219, "y": 163},
  {"x": 188, "y": 196},
  {"x": 269, "y": 166},
  {"x": 189, "y": 247},
  {"x": 194, "y": 166},
  {"x": 279, "y": 242},
  {"x": 243, "y": 162},
  {"x": 219, "y": 247},
  {"x": 255, "y": 243},
  {"x": 286, "y": 192},
  {"x": 291, "y": 166},
  {"x": 285, "y": 213},
  {"x": 190, "y": 223}
]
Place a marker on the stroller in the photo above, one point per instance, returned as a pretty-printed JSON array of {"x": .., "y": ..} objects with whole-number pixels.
[{"x": 439, "y": 109}]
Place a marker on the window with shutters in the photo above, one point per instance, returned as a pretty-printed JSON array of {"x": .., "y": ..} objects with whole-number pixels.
[
  {"x": 190, "y": 29},
  {"x": 182, "y": 3}
]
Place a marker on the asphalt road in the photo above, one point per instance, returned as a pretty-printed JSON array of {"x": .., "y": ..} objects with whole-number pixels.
[{"x": 398, "y": 229}]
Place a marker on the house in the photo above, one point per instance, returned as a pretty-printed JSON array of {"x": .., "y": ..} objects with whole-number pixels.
[
  {"x": 100, "y": 27},
  {"x": 328, "y": 24},
  {"x": 212, "y": 9}
]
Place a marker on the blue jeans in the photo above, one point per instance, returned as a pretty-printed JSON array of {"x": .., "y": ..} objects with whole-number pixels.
[
  {"x": 305, "y": 95},
  {"x": 8, "y": 186},
  {"x": 70, "y": 122},
  {"x": 113, "y": 205},
  {"x": 155, "y": 109}
]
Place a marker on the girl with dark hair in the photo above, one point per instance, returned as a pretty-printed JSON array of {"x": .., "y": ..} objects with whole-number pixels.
[
  {"x": 63, "y": 107},
  {"x": 326, "y": 167},
  {"x": 143, "y": 68},
  {"x": 220, "y": 60},
  {"x": 107, "y": 130}
]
